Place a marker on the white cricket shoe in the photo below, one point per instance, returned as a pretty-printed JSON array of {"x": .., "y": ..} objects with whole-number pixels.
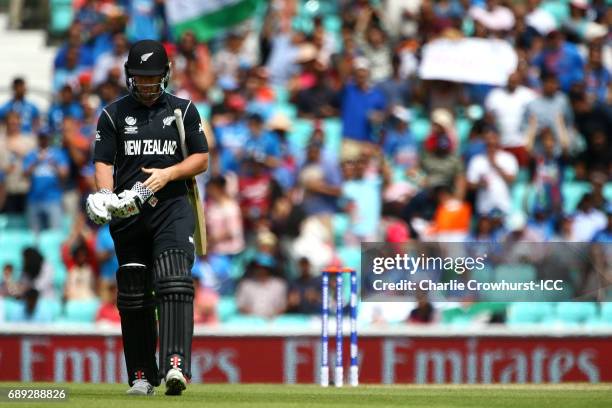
[
  {"x": 141, "y": 387},
  {"x": 175, "y": 382}
]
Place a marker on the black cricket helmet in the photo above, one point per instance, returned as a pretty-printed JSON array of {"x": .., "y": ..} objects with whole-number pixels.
[{"x": 147, "y": 58}]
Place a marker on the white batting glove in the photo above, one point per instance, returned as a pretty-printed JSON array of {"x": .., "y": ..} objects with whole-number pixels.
[
  {"x": 130, "y": 201},
  {"x": 97, "y": 206}
]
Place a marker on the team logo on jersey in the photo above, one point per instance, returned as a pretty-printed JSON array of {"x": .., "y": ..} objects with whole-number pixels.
[
  {"x": 168, "y": 120},
  {"x": 130, "y": 120},
  {"x": 131, "y": 130},
  {"x": 200, "y": 130},
  {"x": 145, "y": 57},
  {"x": 98, "y": 137}
]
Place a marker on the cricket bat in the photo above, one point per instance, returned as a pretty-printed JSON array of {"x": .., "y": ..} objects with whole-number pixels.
[{"x": 199, "y": 238}]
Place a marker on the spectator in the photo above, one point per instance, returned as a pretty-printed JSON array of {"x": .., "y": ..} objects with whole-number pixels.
[
  {"x": 508, "y": 106},
  {"x": 260, "y": 293},
  {"x": 588, "y": 220},
  {"x": 604, "y": 235},
  {"x": 9, "y": 287},
  {"x": 548, "y": 168},
  {"x": 424, "y": 311},
  {"x": 320, "y": 180},
  {"x": 80, "y": 284},
  {"x": 15, "y": 146},
  {"x": 144, "y": 20},
  {"x": 74, "y": 39},
  {"x": 362, "y": 194},
  {"x": 261, "y": 143},
  {"x": 28, "y": 112},
  {"x": 561, "y": 59},
  {"x": 254, "y": 186},
  {"x": 231, "y": 58},
  {"x": 399, "y": 144},
  {"x": 440, "y": 163},
  {"x": 37, "y": 274},
  {"x": 317, "y": 101},
  {"x": 304, "y": 292},
  {"x": 395, "y": 87},
  {"x": 490, "y": 175},
  {"x": 362, "y": 107},
  {"x": 47, "y": 168},
  {"x": 205, "y": 303},
  {"x": 193, "y": 71},
  {"x": 372, "y": 42},
  {"x": 110, "y": 64},
  {"x": 493, "y": 16},
  {"x": 108, "y": 312},
  {"x": 597, "y": 77},
  {"x": 70, "y": 73},
  {"x": 546, "y": 110},
  {"x": 66, "y": 105},
  {"x": 106, "y": 256},
  {"x": 224, "y": 220}
]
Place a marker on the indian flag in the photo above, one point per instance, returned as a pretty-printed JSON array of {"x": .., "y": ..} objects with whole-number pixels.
[{"x": 207, "y": 18}]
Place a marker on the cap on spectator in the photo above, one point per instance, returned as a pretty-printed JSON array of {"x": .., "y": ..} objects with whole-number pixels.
[
  {"x": 255, "y": 117},
  {"x": 306, "y": 52},
  {"x": 443, "y": 118},
  {"x": 581, "y": 4},
  {"x": 516, "y": 222},
  {"x": 279, "y": 121},
  {"x": 266, "y": 238},
  {"x": 349, "y": 152},
  {"x": 401, "y": 113},
  {"x": 361, "y": 63},
  {"x": 495, "y": 213},
  {"x": 264, "y": 260},
  {"x": 45, "y": 131},
  {"x": 236, "y": 102},
  {"x": 593, "y": 31},
  {"x": 227, "y": 83},
  {"x": 397, "y": 232}
]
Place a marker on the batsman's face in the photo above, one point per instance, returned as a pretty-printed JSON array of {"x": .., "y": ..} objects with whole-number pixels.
[{"x": 148, "y": 87}]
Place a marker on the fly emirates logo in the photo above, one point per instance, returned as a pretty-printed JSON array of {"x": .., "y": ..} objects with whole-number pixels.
[{"x": 147, "y": 147}]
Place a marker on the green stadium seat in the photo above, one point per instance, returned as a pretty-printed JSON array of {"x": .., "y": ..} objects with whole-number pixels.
[
  {"x": 291, "y": 320},
  {"x": 607, "y": 191},
  {"x": 300, "y": 133},
  {"x": 573, "y": 193},
  {"x": 332, "y": 128},
  {"x": 51, "y": 304},
  {"x": 529, "y": 312},
  {"x": 13, "y": 309},
  {"x": 287, "y": 108},
  {"x": 81, "y": 311},
  {"x": 576, "y": 312},
  {"x": 281, "y": 93},
  {"x": 420, "y": 129},
  {"x": 463, "y": 127},
  {"x": 245, "y": 321},
  {"x": 227, "y": 308},
  {"x": 350, "y": 256},
  {"x": 340, "y": 224},
  {"x": 606, "y": 312},
  {"x": 61, "y": 16},
  {"x": 515, "y": 272}
]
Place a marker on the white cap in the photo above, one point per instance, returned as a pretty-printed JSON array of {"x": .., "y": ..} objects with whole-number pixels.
[{"x": 361, "y": 63}]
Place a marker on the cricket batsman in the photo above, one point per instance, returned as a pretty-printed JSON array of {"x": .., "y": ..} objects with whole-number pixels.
[{"x": 138, "y": 156}]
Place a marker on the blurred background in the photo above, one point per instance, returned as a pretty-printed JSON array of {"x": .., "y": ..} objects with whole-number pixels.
[{"x": 334, "y": 123}]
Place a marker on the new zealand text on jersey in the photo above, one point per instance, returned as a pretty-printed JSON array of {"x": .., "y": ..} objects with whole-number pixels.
[{"x": 149, "y": 147}]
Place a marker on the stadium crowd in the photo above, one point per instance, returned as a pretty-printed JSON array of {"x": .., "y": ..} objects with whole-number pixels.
[{"x": 325, "y": 136}]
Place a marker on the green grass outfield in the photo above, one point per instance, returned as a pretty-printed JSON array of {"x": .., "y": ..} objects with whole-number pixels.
[{"x": 264, "y": 395}]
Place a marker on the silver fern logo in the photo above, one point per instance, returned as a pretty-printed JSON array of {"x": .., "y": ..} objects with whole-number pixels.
[
  {"x": 145, "y": 57},
  {"x": 168, "y": 120}
]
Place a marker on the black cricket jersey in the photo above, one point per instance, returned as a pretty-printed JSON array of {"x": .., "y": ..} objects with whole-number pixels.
[{"x": 131, "y": 135}]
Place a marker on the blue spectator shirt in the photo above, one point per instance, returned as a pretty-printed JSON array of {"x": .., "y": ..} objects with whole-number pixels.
[
  {"x": 104, "y": 243},
  {"x": 58, "y": 112},
  {"x": 46, "y": 184},
  {"x": 356, "y": 106},
  {"x": 565, "y": 62},
  {"x": 27, "y": 111}
]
